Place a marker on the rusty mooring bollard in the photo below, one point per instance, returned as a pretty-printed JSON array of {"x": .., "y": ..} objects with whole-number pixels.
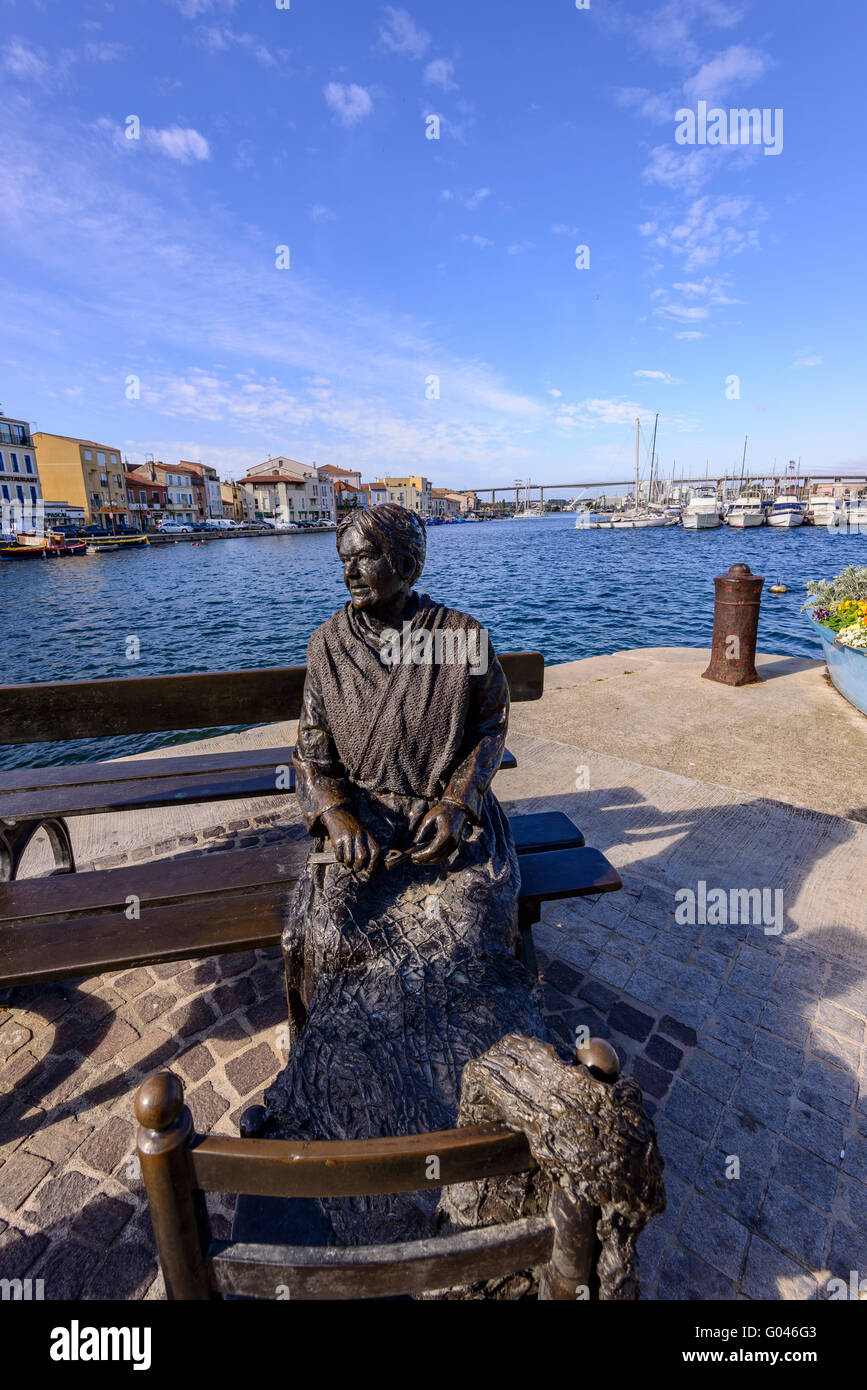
[{"x": 735, "y": 624}]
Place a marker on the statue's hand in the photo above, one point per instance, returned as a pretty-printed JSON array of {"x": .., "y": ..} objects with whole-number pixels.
[
  {"x": 446, "y": 824},
  {"x": 353, "y": 845}
]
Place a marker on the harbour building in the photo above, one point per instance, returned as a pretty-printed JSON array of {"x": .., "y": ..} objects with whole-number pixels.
[
  {"x": 85, "y": 474},
  {"x": 283, "y": 490},
  {"x": 20, "y": 487}
]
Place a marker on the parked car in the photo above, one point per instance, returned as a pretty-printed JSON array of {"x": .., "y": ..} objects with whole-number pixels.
[{"x": 175, "y": 528}]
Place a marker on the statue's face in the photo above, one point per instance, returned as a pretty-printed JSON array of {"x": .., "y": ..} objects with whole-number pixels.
[{"x": 367, "y": 572}]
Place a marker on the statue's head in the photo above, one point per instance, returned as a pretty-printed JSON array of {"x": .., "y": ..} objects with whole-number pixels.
[{"x": 382, "y": 550}]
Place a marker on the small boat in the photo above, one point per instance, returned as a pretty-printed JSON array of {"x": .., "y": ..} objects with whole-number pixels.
[
  {"x": 856, "y": 515},
  {"x": 702, "y": 511},
  {"x": 745, "y": 511},
  {"x": 632, "y": 521},
  {"x": 825, "y": 511},
  {"x": 36, "y": 545},
  {"x": 787, "y": 511},
  {"x": 103, "y": 543},
  {"x": 589, "y": 520}
]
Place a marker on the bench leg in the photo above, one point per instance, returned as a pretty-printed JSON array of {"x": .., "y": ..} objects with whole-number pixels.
[
  {"x": 528, "y": 913},
  {"x": 15, "y": 838}
]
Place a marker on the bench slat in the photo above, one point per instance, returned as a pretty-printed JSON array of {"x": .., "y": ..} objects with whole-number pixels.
[
  {"x": 566, "y": 873},
  {"x": 95, "y": 945},
  {"x": 378, "y": 1271},
  {"x": 164, "y": 881},
  {"x": 354, "y": 1167},
  {"x": 25, "y": 779},
  {"x": 140, "y": 788},
  {"x": 542, "y": 831},
  {"x": 42, "y": 712}
]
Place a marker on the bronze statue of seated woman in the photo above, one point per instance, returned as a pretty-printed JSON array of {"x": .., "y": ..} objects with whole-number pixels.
[{"x": 400, "y": 952}]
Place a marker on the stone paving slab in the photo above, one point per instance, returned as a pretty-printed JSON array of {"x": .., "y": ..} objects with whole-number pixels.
[{"x": 750, "y": 1047}]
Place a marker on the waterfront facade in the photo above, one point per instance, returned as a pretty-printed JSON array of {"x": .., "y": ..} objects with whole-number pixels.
[
  {"x": 85, "y": 474},
  {"x": 412, "y": 493},
  {"x": 181, "y": 484},
  {"x": 444, "y": 503},
  {"x": 283, "y": 490},
  {"x": 20, "y": 487},
  {"x": 206, "y": 489},
  {"x": 146, "y": 497}
]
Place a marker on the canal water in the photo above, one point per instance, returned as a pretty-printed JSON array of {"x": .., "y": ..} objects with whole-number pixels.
[{"x": 537, "y": 584}]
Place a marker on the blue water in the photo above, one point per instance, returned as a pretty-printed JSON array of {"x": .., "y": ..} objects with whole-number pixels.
[{"x": 534, "y": 584}]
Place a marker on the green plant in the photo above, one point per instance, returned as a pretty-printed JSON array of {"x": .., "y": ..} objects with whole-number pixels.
[{"x": 851, "y": 582}]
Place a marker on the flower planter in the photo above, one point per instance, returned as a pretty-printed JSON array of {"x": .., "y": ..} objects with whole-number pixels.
[{"x": 847, "y": 666}]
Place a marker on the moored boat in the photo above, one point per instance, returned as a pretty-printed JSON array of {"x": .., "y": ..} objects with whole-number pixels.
[
  {"x": 702, "y": 511},
  {"x": 787, "y": 510},
  {"x": 105, "y": 543},
  {"x": 745, "y": 511},
  {"x": 825, "y": 511}
]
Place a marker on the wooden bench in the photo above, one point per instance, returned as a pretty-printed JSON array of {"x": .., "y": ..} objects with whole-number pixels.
[
  {"x": 78, "y": 925},
  {"x": 34, "y": 798},
  {"x": 71, "y": 925}
]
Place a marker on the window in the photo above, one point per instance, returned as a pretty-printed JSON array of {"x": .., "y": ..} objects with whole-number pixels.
[
  {"x": 113, "y": 458},
  {"x": 143, "y": 497},
  {"x": 2, "y": 464},
  {"x": 28, "y": 463},
  {"x": 20, "y": 434},
  {"x": 33, "y": 494},
  {"x": 88, "y": 455},
  {"x": 5, "y": 432},
  {"x": 103, "y": 480},
  {"x": 100, "y": 458},
  {"x": 117, "y": 479},
  {"x": 19, "y": 492},
  {"x": 5, "y": 490}
]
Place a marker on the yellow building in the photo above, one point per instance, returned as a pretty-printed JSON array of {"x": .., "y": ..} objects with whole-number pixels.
[
  {"x": 412, "y": 493},
  {"x": 83, "y": 473}
]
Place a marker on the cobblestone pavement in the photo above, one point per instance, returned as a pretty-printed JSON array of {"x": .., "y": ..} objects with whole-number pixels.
[{"x": 748, "y": 1047}]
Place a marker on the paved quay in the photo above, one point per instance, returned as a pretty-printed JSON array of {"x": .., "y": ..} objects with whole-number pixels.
[{"x": 748, "y": 1039}]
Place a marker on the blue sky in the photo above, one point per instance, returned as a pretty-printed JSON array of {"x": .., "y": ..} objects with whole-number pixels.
[{"x": 410, "y": 257}]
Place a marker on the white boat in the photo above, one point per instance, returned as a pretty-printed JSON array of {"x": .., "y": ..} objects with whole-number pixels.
[
  {"x": 856, "y": 515},
  {"x": 745, "y": 511},
  {"x": 631, "y": 521},
  {"x": 588, "y": 520},
  {"x": 529, "y": 511},
  {"x": 702, "y": 511},
  {"x": 826, "y": 511},
  {"x": 787, "y": 510}
]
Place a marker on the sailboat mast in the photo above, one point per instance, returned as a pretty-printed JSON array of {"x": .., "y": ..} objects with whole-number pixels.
[
  {"x": 652, "y": 458},
  {"x": 636, "y": 461}
]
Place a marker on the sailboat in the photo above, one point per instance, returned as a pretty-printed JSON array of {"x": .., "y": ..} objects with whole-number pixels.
[
  {"x": 640, "y": 517},
  {"x": 528, "y": 512}
]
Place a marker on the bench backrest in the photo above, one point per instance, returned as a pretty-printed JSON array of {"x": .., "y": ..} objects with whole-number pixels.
[
  {"x": 178, "y": 1167},
  {"x": 40, "y": 711}
]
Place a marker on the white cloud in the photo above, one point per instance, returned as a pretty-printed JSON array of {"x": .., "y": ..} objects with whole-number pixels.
[
  {"x": 683, "y": 313},
  {"x": 191, "y": 9},
  {"x": 217, "y": 40},
  {"x": 663, "y": 377},
  {"x": 22, "y": 60},
  {"x": 400, "y": 34},
  {"x": 710, "y": 228},
  {"x": 737, "y": 66},
  {"x": 806, "y": 359},
  {"x": 178, "y": 143},
  {"x": 468, "y": 200},
  {"x": 320, "y": 213},
  {"x": 563, "y": 229},
  {"x": 349, "y": 102},
  {"x": 439, "y": 74},
  {"x": 481, "y": 241},
  {"x": 552, "y": 391},
  {"x": 690, "y": 334},
  {"x": 518, "y": 247}
]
